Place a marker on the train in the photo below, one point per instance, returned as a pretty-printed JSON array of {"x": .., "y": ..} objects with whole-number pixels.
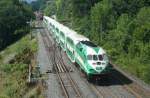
[
  {"x": 92, "y": 59},
  {"x": 39, "y": 15}
]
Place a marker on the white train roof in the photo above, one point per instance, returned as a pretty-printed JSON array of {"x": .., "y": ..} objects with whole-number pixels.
[
  {"x": 77, "y": 38},
  {"x": 52, "y": 21},
  {"x": 64, "y": 29}
]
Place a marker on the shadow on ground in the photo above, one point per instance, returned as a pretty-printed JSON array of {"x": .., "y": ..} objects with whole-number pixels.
[{"x": 114, "y": 78}]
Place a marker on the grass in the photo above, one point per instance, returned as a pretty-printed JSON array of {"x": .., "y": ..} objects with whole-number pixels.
[
  {"x": 14, "y": 73},
  {"x": 18, "y": 47}
]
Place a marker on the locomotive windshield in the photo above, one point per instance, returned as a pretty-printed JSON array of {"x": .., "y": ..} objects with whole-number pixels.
[
  {"x": 100, "y": 57},
  {"x": 89, "y": 57},
  {"x": 88, "y": 43},
  {"x": 97, "y": 57}
]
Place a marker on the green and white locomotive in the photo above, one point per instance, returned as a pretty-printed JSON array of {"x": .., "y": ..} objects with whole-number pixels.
[{"x": 91, "y": 58}]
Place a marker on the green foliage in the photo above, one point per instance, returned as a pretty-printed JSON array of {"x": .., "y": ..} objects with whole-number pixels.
[
  {"x": 50, "y": 9},
  {"x": 13, "y": 18},
  {"x": 14, "y": 74},
  {"x": 24, "y": 45},
  {"x": 38, "y": 4},
  {"x": 10, "y": 68},
  {"x": 13, "y": 80},
  {"x": 100, "y": 17}
]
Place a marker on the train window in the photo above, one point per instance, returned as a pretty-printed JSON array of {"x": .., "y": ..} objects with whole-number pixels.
[
  {"x": 62, "y": 34},
  {"x": 57, "y": 30},
  {"x": 89, "y": 57},
  {"x": 95, "y": 57},
  {"x": 100, "y": 57},
  {"x": 70, "y": 41}
]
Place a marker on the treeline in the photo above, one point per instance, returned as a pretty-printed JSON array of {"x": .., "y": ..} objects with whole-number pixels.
[
  {"x": 122, "y": 27},
  {"x": 38, "y": 4},
  {"x": 13, "y": 21}
]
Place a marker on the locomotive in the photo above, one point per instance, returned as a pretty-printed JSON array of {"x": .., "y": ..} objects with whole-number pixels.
[{"x": 91, "y": 58}]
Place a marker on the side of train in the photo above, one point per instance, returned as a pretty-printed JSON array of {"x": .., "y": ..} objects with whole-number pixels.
[{"x": 92, "y": 59}]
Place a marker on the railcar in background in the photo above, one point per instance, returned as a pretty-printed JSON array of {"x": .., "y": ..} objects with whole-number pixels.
[{"x": 39, "y": 15}]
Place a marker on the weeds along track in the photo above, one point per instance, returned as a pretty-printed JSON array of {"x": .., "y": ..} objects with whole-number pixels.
[{"x": 69, "y": 87}]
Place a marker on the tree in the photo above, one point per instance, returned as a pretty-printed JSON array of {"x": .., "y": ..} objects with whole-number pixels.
[
  {"x": 50, "y": 8},
  {"x": 100, "y": 17},
  {"x": 13, "y": 16}
]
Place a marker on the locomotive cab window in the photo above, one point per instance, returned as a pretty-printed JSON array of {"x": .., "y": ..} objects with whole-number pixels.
[
  {"x": 89, "y": 57},
  {"x": 95, "y": 57},
  {"x": 62, "y": 34},
  {"x": 100, "y": 57}
]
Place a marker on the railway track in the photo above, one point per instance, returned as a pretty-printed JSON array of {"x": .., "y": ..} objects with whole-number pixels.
[
  {"x": 98, "y": 92},
  {"x": 104, "y": 92},
  {"x": 135, "y": 88},
  {"x": 69, "y": 82},
  {"x": 69, "y": 87}
]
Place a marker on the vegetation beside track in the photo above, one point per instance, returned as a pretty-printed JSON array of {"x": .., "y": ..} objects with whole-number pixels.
[{"x": 14, "y": 73}]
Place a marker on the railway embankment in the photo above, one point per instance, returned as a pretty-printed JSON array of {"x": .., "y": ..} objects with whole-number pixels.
[{"x": 14, "y": 63}]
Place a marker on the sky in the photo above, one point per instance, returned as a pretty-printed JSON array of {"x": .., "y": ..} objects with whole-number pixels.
[{"x": 29, "y": 1}]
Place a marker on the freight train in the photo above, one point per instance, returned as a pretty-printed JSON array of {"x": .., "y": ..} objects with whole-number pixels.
[{"x": 91, "y": 58}]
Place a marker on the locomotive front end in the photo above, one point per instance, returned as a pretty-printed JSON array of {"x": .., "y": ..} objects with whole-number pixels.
[{"x": 97, "y": 61}]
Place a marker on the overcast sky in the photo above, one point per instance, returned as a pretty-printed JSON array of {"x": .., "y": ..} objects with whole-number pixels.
[{"x": 29, "y": 1}]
